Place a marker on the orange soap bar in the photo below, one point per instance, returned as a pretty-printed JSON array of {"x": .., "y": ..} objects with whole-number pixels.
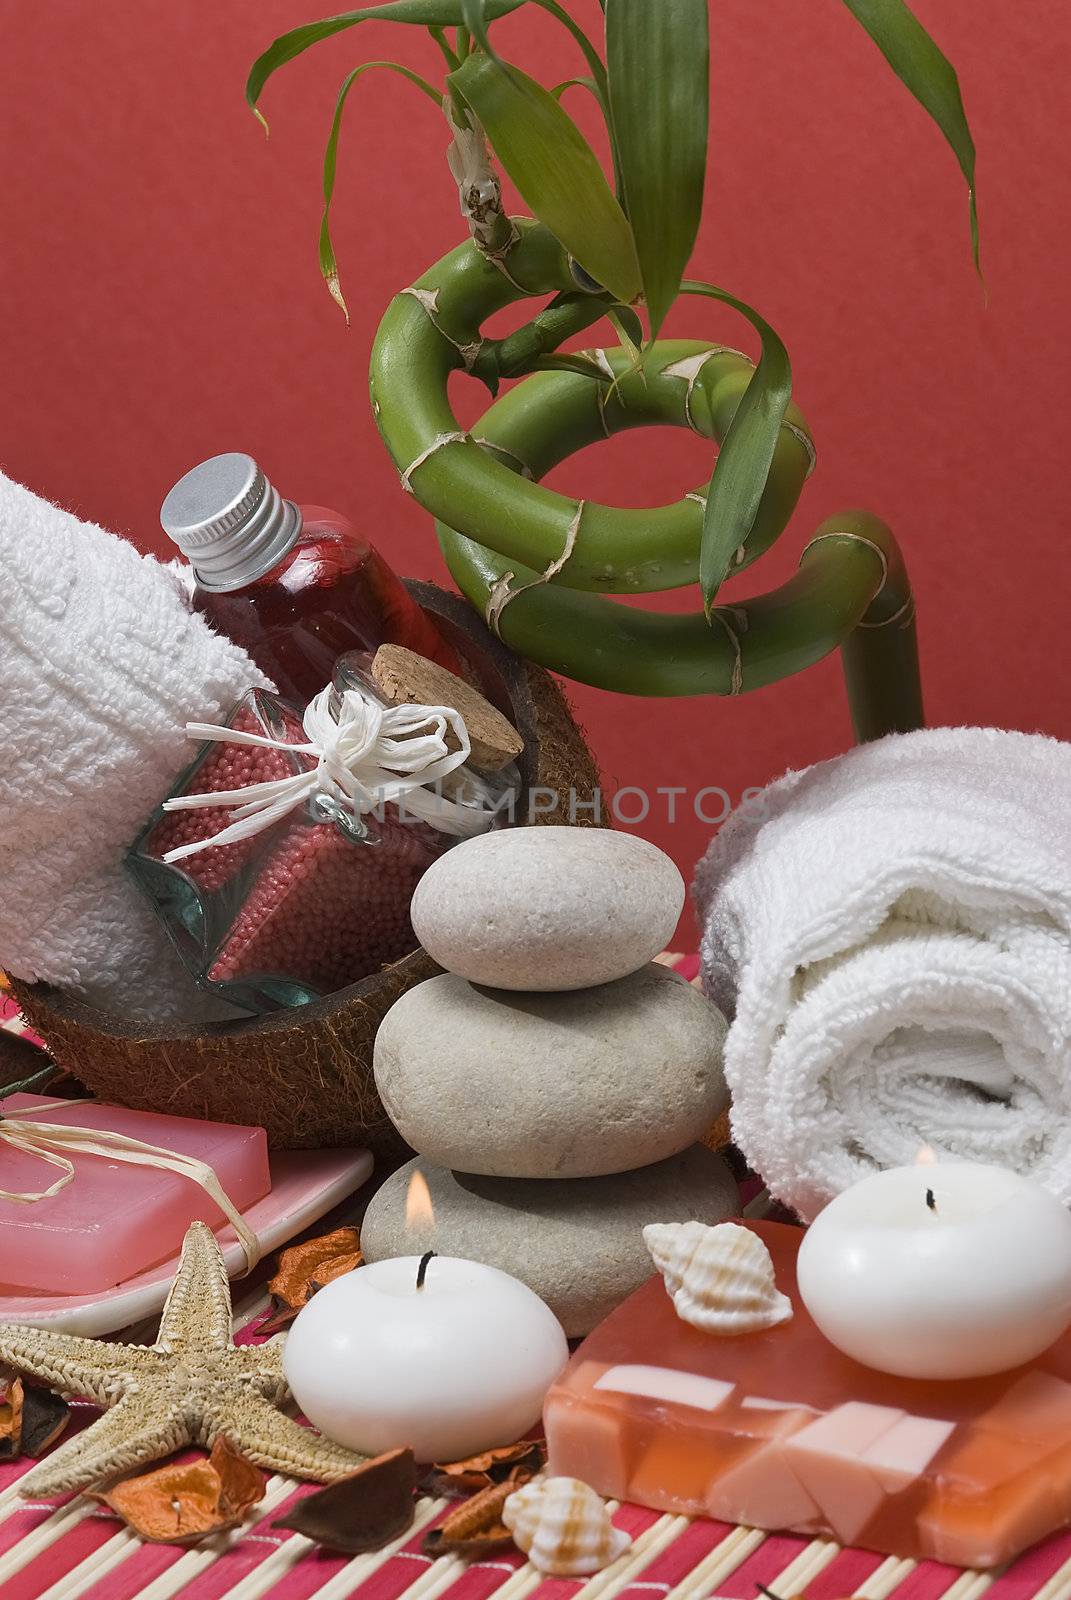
[{"x": 779, "y": 1430}]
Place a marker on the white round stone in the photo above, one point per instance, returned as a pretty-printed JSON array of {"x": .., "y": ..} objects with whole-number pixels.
[
  {"x": 548, "y": 908},
  {"x": 568, "y": 1085}
]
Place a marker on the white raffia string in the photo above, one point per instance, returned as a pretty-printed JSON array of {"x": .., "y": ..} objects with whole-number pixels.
[
  {"x": 369, "y": 756},
  {"x": 48, "y": 1140}
]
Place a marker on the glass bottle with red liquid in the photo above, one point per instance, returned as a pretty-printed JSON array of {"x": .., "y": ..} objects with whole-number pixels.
[{"x": 295, "y": 586}]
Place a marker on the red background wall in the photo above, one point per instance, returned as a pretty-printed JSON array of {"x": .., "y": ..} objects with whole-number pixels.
[{"x": 161, "y": 302}]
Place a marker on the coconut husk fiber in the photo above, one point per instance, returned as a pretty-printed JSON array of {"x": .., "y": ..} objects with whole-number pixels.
[{"x": 305, "y": 1075}]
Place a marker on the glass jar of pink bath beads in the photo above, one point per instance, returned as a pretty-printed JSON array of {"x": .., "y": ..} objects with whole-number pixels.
[{"x": 285, "y": 858}]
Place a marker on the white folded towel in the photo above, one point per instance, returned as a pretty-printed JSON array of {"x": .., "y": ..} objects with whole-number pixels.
[
  {"x": 101, "y": 665},
  {"x": 891, "y": 933}
]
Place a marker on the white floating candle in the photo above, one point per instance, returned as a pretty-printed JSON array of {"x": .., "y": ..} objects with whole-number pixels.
[
  {"x": 953, "y": 1270},
  {"x": 447, "y": 1356}
]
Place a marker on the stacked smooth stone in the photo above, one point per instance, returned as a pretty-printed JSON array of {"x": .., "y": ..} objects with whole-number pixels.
[{"x": 556, "y": 1081}]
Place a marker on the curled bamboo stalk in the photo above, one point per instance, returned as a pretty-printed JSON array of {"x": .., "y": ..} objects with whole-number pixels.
[
  {"x": 537, "y": 563},
  {"x": 433, "y": 329},
  {"x": 851, "y": 590}
]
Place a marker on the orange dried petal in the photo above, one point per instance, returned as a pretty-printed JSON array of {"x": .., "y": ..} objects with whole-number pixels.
[
  {"x": 504, "y": 1455},
  {"x": 475, "y": 1528},
  {"x": 454, "y": 1485},
  {"x": 11, "y": 1420},
  {"x": 184, "y": 1501},
  {"x": 241, "y": 1484},
  {"x": 306, "y": 1267},
  {"x": 514, "y": 1463}
]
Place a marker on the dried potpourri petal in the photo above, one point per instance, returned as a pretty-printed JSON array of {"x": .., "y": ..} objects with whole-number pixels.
[
  {"x": 11, "y": 1402},
  {"x": 526, "y": 1452},
  {"x": 362, "y": 1512},
  {"x": 185, "y": 1501},
  {"x": 513, "y": 1462},
  {"x": 306, "y": 1267},
  {"x": 44, "y": 1418},
  {"x": 475, "y": 1528},
  {"x": 453, "y": 1486}
]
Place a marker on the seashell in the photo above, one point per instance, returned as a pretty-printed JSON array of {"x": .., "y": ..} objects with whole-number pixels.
[
  {"x": 563, "y": 1527},
  {"x": 720, "y": 1279}
]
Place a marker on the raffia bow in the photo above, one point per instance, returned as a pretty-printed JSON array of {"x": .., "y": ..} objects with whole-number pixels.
[
  {"x": 367, "y": 755},
  {"x": 48, "y": 1141}
]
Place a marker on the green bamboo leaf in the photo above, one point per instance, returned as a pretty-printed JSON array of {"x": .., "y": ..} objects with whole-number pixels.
[
  {"x": 449, "y": 55},
  {"x": 591, "y": 55},
  {"x": 554, "y": 167},
  {"x": 476, "y": 19},
  {"x": 421, "y": 13},
  {"x": 743, "y": 464},
  {"x": 575, "y": 83},
  {"x": 598, "y": 75},
  {"x": 658, "y": 60},
  {"x": 478, "y": 13},
  {"x": 628, "y": 326},
  {"x": 583, "y": 365},
  {"x": 328, "y": 264},
  {"x": 931, "y": 78}
]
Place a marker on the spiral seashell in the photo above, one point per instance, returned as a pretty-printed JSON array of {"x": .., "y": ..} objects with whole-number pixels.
[
  {"x": 563, "y": 1527},
  {"x": 719, "y": 1279}
]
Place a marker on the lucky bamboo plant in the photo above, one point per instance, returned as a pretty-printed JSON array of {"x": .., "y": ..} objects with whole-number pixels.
[{"x": 536, "y": 563}]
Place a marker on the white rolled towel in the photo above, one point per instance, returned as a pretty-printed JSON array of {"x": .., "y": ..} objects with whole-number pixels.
[
  {"x": 890, "y": 933},
  {"x": 101, "y": 665}
]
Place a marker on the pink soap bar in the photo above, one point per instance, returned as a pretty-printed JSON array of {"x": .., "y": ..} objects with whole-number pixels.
[
  {"x": 114, "y": 1219},
  {"x": 779, "y": 1430}
]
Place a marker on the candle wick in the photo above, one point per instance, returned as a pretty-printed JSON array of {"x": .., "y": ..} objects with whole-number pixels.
[
  {"x": 761, "y": 1587},
  {"x": 422, "y": 1270},
  {"x": 931, "y": 1200}
]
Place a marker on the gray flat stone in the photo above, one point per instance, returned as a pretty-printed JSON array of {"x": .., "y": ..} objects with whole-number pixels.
[
  {"x": 577, "y": 1243},
  {"x": 569, "y": 1085},
  {"x": 548, "y": 908}
]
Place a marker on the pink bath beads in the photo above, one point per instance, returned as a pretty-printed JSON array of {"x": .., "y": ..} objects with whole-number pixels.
[
  {"x": 300, "y": 915},
  {"x": 223, "y": 767},
  {"x": 299, "y": 882}
]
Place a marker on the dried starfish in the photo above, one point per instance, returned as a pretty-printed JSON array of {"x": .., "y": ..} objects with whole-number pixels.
[{"x": 192, "y": 1386}]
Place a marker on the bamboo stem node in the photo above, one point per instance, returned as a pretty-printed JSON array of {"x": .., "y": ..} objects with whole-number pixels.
[
  {"x": 426, "y": 454},
  {"x": 501, "y": 594}
]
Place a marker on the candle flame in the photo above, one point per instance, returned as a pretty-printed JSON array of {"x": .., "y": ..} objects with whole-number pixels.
[
  {"x": 419, "y": 1211},
  {"x": 927, "y": 1156}
]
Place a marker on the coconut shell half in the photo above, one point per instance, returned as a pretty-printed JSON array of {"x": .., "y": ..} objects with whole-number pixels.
[{"x": 305, "y": 1075}]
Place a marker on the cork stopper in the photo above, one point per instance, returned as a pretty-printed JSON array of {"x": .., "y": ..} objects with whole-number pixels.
[{"x": 402, "y": 677}]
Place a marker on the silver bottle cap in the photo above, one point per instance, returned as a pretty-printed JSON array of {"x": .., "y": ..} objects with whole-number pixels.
[{"x": 229, "y": 521}]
